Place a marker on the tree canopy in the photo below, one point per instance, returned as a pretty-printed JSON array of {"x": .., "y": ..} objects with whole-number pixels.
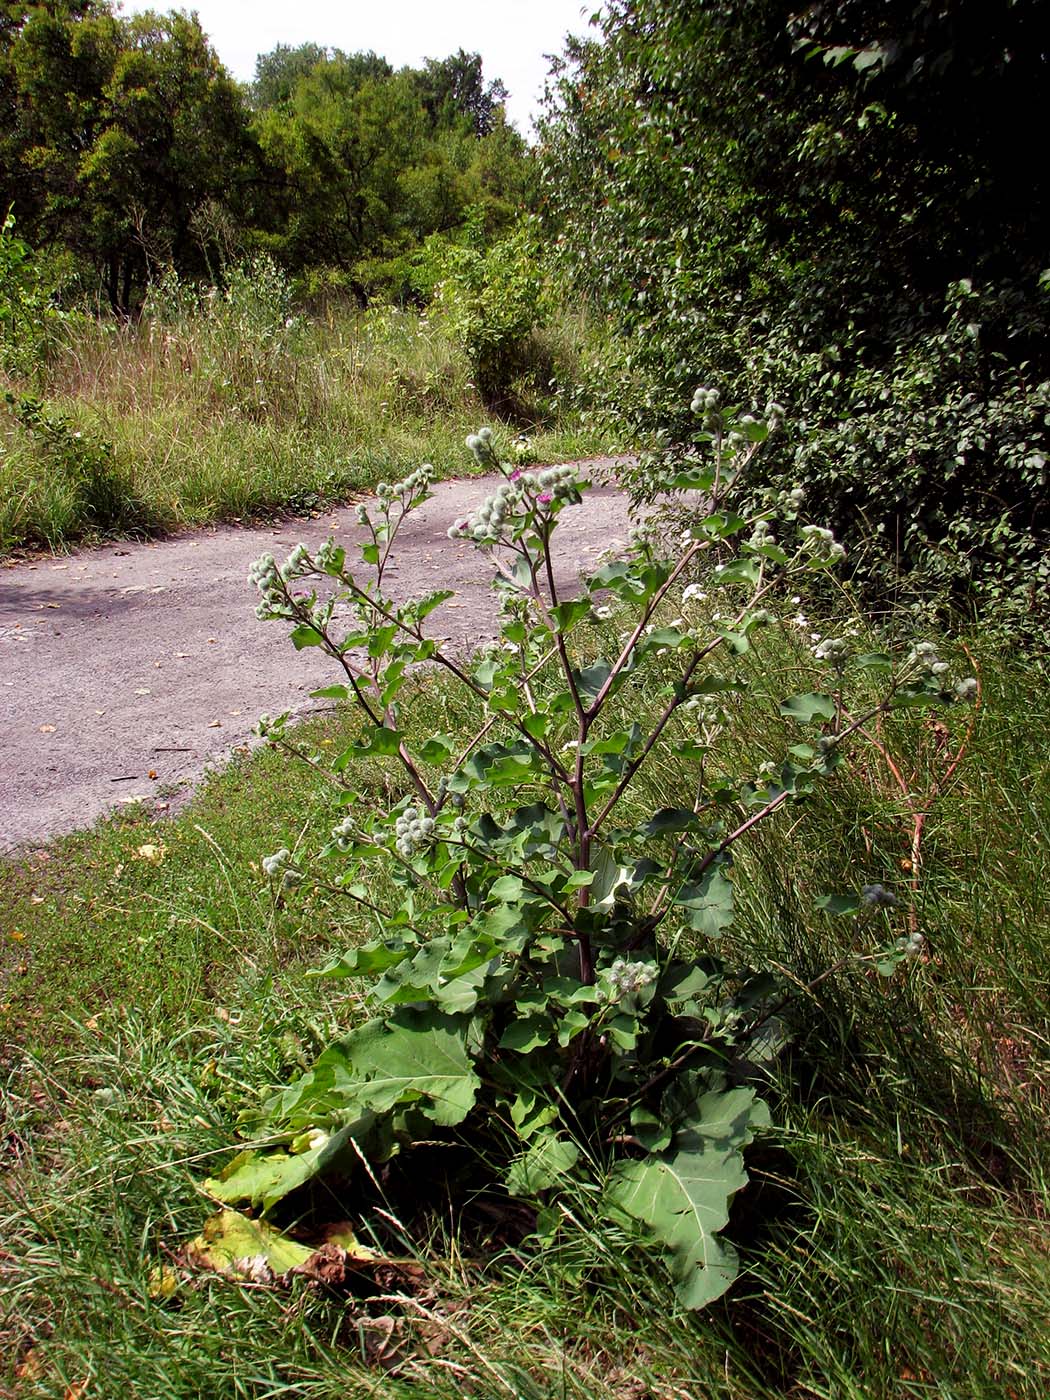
[
  {"x": 125, "y": 141},
  {"x": 823, "y": 204}
]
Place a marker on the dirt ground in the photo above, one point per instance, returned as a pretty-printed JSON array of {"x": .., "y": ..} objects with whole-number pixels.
[{"x": 127, "y": 671}]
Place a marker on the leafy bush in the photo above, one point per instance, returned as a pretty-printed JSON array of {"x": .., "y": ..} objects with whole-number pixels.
[
  {"x": 786, "y": 201},
  {"x": 60, "y": 482},
  {"x": 547, "y": 988},
  {"x": 27, "y": 307},
  {"x": 933, "y": 464},
  {"x": 491, "y": 299}
]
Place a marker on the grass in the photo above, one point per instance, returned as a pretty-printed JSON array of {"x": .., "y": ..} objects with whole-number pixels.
[
  {"x": 894, "y": 1237},
  {"x": 222, "y": 411}
]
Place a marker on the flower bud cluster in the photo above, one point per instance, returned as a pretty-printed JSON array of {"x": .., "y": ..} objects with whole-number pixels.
[
  {"x": 821, "y": 545},
  {"x": 925, "y": 654},
  {"x": 485, "y": 525},
  {"x": 834, "y": 650},
  {"x": 268, "y": 579},
  {"x": 480, "y": 443},
  {"x": 966, "y": 689},
  {"x": 791, "y": 501},
  {"x": 644, "y": 534},
  {"x": 706, "y": 402},
  {"x": 911, "y": 946},
  {"x": 511, "y": 500},
  {"x": 344, "y": 834},
  {"x": 298, "y": 564},
  {"x": 418, "y": 480},
  {"x": 762, "y": 535},
  {"x": 281, "y": 866},
  {"x": 265, "y": 575},
  {"x": 412, "y": 832},
  {"x": 710, "y": 709},
  {"x": 626, "y": 978},
  {"x": 879, "y": 897},
  {"x": 329, "y": 553}
]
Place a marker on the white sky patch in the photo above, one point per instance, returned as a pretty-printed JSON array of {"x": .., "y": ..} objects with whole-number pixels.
[{"x": 512, "y": 36}]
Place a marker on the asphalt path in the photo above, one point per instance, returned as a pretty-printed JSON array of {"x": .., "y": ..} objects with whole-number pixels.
[{"x": 127, "y": 671}]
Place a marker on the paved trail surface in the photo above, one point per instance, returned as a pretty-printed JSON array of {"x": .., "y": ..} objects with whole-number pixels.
[{"x": 134, "y": 659}]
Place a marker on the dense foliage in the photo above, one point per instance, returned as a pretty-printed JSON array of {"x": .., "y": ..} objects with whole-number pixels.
[
  {"x": 124, "y": 142},
  {"x": 547, "y": 993},
  {"x": 823, "y": 207}
]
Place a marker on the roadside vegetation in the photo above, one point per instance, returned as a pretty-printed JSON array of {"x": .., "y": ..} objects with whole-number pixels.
[
  {"x": 892, "y": 1241},
  {"x": 232, "y": 402}
]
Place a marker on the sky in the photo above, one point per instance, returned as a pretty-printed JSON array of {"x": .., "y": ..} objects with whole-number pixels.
[{"x": 512, "y": 36}]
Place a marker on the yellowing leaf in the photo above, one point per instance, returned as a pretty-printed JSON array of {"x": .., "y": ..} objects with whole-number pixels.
[{"x": 154, "y": 854}]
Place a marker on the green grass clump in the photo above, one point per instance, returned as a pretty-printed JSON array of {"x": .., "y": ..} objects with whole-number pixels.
[
  {"x": 204, "y": 413},
  {"x": 893, "y": 1239}
]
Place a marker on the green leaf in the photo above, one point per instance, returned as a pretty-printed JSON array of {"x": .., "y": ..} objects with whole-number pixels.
[
  {"x": 527, "y": 1034},
  {"x": 567, "y": 615},
  {"x": 546, "y": 1162},
  {"x": 873, "y": 661},
  {"x": 331, "y": 692},
  {"x": 502, "y": 765},
  {"x": 377, "y": 742},
  {"x": 306, "y": 636},
  {"x": 838, "y": 903},
  {"x": 425, "y": 606},
  {"x": 264, "y": 1178},
  {"x": 806, "y": 708},
  {"x": 590, "y": 680},
  {"x": 609, "y": 877},
  {"x": 670, "y": 820},
  {"x": 437, "y": 748},
  {"x": 708, "y": 902},
  {"x": 415, "y": 1057},
  {"x": 739, "y": 571},
  {"x": 368, "y": 959},
  {"x": 683, "y": 1196}
]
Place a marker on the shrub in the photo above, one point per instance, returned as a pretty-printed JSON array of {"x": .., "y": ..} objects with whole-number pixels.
[
  {"x": 61, "y": 483},
  {"x": 491, "y": 299}
]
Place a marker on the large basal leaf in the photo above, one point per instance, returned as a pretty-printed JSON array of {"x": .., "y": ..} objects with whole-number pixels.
[
  {"x": 415, "y": 1057},
  {"x": 682, "y": 1196},
  {"x": 233, "y": 1245},
  {"x": 264, "y": 1178}
]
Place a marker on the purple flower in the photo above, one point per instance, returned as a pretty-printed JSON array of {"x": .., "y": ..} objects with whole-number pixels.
[
  {"x": 545, "y": 498},
  {"x": 515, "y": 473}
]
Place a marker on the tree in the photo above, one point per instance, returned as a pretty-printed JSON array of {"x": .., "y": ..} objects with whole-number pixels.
[
  {"x": 824, "y": 208},
  {"x": 454, "y": 87},
  {"x": 125, "y": 127},
  {"x": 278, "y": 72}
]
